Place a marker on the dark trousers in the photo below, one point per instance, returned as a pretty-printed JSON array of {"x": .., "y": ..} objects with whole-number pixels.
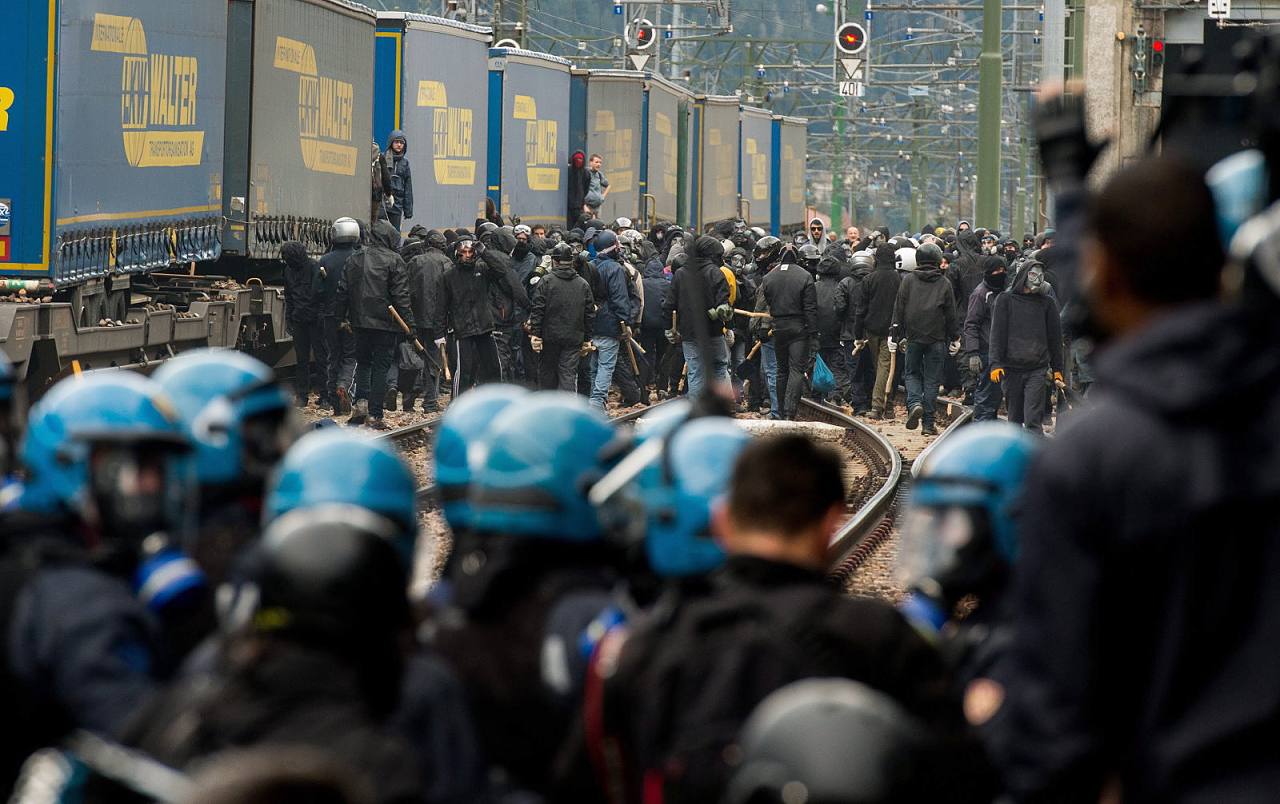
[
  {"x": 795, "y": 359},
  {"x": 836, "y": 359},
  {"x": 923, "y": 372},
  {"x": 396, "y": 216},
  {"x": 1025, "y": 390},
  {"x": 586, "y": 374},
  {"x": 558, "y": 367},
  {"x": 375, "y": 349},
  {"x": 655, "y": 347},
  {"x": 308, "y": 344},
  {"x": 986, "y": 395},
  {"x": 427, "y": 381},
  {"x": 341, "y": 353},
  {"x": 505, "y": 341},
  {"x": 625, "y": 377},
  {"x": 531, "y": 362},
  {"x": 476, "y": 362},
  {"x": 862, "y": 374}
]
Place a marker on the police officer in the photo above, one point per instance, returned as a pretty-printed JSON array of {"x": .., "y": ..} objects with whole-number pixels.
[
  {"x": 534, "y": 575},
  {"x": 373, "y": 283},
  {"x": 791, "y": 298},
  {"x": 561, "y": 322},
  {"x": 104, "y": 495},
  {"x": 339, "y": 341},
  {"x": 313, "y": 654},
  {"x": 690, "y": 679},
  {"x": 237, "y": 417}
]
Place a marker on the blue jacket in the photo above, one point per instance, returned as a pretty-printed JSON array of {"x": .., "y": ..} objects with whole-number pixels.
[
  {"x": 401, "y": 175},
  {"x": 613, "y": 305}
]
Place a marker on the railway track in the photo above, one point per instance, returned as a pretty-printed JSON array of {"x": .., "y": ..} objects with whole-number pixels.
[{"x": 875, "y": 499}]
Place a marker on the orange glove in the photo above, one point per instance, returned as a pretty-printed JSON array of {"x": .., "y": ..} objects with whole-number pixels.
[
  {"x": 997, "y": 375},
  {"x": 1057, "y": 376}
]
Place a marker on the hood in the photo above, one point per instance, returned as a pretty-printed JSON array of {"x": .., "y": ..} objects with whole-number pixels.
[
  {"x": 829, "y": 265},
  {"x": 398, "y": 135},
  {"x": 653, "y": 269},
  {"x": 564, "y": 271},
  {"x": 578, "y": 160},
  {"x": 502, "y": 240},
  {"x": 647, "y": 250},
  {"x": 385, "y": 235},
  {"x": 437, "y": 240},
  {"x": 991, "y": 264},
  {"x": 968, "y": 242},
  {"x": 885, "y": 257},
  {"x": 1020, "y": 281},
  {"x": 294, "y": 254},
  {"x": 707, "y": 249},
  {"x": 822, "y": 236},
  {"x": 927, "y": 274}
]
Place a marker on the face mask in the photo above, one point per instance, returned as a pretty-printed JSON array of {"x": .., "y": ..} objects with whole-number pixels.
[
  {"x": 997, "y": 281},
  {"x": 1035, "y": 280}
]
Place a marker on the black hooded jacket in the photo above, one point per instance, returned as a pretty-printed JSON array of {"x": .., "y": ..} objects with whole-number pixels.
[
  {"x": 1154, "y": 507},
  {"x": 466, "y": 287},
  {"x": 966, "y": 270},
  {"x": 698, "y": 286},
  {"x": 790, "y": 296},
  {"x": 977, "y": 319},
  {"x": 426, "y": 276},
  {"x": 873, "y": 308},
  {"x": 508, "y": 298},
  {"x": 563, "y": 308},
  {"x": 852, "y": 285},
  {"x": 373, "y": 279},
  {"x": 303, "y": 287},
  {"x": 830, "y": 296},
  {"x": 1026, "y": 332},
  {"x": 925, "y": 310},
  {"x": 655, "y": 290},
  {"x": 334, "y": 264}
]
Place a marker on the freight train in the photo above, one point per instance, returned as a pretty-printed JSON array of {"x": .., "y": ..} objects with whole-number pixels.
[{"x": 155, "y": 155}]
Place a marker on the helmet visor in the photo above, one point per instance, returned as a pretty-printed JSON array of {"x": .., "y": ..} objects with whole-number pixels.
[
  {"x": 139, "y": 489},
  {"x": 935, "y": 541}
]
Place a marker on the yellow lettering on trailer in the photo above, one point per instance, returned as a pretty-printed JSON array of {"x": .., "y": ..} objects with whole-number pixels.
[
  {"x": 326, "y": 110},
  {"x": 6, "y": 101}
]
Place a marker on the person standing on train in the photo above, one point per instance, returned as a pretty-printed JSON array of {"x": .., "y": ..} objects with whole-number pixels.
[{"x": 401, "y": 189}]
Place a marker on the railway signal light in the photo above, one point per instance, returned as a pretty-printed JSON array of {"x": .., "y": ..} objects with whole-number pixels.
[
  {"x": 643, "y": 35},
  {"x": 1157, "y": 52},
  {"x": 851, "y": 38}
]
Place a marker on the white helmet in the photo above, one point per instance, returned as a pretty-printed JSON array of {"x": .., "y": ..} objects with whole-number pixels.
[
  {"x": 345, "y": 230},
  {"x": 905, "y": 259}
]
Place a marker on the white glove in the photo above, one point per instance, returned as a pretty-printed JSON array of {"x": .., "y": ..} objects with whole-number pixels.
[
  {"x": 954, "y": 348},
  {"x": 892, "y": 344},
  {"x": 439, "y": 341},
  {"x": 535, "y": 342},
  {"x": 728, "y": 338}
]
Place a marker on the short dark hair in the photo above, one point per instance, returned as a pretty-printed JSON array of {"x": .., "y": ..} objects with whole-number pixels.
[
  {"x": 1156, "y": 220},
  {"x": 785, "y": 483},
  {"x": 595, "y": 156}
]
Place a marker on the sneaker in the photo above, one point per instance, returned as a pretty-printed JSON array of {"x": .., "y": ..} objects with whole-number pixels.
[
  {"x": 342, "y": 401},
  {"x": 874, "y": 415},
  {"x": 914, "y": 416},
  {"x": 928, "y": 429},
  {"x": 430, "y": 407},
  {"x": 359, "y": 412},
  {"x": 378, "y": 424}
]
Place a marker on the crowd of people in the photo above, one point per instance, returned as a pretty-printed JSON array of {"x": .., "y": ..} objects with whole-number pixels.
[{"x": 202, "y": 603}]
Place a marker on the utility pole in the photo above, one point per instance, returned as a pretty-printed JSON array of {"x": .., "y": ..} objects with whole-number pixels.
[{"x": 990, "y": 66}]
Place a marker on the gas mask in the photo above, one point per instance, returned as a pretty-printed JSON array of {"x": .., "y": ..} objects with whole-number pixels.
[{"x": 1035, "y": 279}]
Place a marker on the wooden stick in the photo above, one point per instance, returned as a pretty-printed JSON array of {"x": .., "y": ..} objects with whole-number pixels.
[
  {"x": 444, "y": 361},
  {"x": 753, "y": 351},
  {"x": 750, "y": 314},
  {"x": 417, "y": 343}
]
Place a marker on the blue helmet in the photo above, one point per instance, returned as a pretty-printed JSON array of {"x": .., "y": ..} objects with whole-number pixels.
[
  {"x": 141, "y": 479},
  {"x": 338, "y": 466},
  {"x": 460, "y": 443},
  {"x": 540, "y": 463},
  {"x": 959, "y": 535},
  {"x": 234, "y": 412},
  {"x": 679, "y": 490}
]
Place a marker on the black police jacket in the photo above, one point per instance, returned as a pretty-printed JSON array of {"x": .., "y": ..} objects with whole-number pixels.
[
  {"x": 791, "y": 297},
  {"x": 687, "y": 679},
  {"x": 563, "y": 308},
  {"x": 288, "y": 695},
  {"x": 1155, "y": 507},
  {"x": 374, "y": 279}
]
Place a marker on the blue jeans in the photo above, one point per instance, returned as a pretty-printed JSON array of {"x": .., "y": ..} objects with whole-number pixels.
[
  {"x": 923, "y": 369},
  {"x": 719, "y": 363},
  {"x": 769, "y": 367},
  {"x": 986, "y": 396},
  {"x": 606, "y": 360}
]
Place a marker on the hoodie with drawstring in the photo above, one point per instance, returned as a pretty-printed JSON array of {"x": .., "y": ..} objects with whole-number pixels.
[
  {"x": 401, "y": 176},
  {"x": 1026, "y": 333}
]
